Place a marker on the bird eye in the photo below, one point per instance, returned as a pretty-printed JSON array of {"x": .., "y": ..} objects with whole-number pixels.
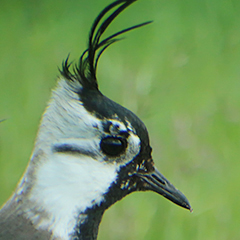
[{"x": 113, "y": 146}]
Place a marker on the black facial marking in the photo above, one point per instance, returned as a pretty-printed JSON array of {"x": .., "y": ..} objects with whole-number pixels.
[
  {"x": 71, "y": 149},
  {"x": 104, "y": 108}
]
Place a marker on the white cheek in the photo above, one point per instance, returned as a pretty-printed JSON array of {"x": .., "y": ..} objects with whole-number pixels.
[
  {"x": 67, "y": 185},
  {"x": 133, "y": 148}
]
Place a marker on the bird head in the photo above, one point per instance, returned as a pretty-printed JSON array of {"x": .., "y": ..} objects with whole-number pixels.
[{"x": 90, "y": 151}]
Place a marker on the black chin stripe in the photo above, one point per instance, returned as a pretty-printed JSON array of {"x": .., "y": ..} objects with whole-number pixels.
[{"x": 71, "y": 149}]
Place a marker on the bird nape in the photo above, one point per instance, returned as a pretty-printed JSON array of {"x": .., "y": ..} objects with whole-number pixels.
[{"x": 89, "y": 153}]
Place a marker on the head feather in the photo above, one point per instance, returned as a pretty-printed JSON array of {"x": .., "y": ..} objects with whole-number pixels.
[{"x": 85, "y": 70}]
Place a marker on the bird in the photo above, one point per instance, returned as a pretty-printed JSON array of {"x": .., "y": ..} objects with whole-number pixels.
[{"x": 89, "y": 153}]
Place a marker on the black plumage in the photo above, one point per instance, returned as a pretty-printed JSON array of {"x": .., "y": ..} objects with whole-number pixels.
[{"x": 85, "y": 70}]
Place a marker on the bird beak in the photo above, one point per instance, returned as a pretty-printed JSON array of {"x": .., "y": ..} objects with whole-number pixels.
[{"x": 156, "y": 182}]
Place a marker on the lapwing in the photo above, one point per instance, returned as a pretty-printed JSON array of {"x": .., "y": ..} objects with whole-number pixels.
[{"x": 89, "y": 153}]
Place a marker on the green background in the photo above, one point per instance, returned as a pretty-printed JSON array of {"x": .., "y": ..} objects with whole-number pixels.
[{"x": 180, "y": 75}]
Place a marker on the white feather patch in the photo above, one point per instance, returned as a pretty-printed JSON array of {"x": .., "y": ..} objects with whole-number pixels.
[{"x": 66, "y": 186}]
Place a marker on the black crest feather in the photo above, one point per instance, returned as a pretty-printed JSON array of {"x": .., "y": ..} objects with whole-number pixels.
[{"x": 85, "y": 70}]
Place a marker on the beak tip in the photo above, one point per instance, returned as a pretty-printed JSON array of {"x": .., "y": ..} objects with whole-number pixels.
[
  {"x": 187, "y": 206},
  {"x": 185, "y": 203}
]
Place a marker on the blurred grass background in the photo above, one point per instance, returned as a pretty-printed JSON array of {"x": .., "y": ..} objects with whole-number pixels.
[{"x": 180, "y": 75}]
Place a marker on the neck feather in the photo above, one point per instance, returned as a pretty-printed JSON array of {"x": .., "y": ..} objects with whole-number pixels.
[{"x": 88, "y": 224}]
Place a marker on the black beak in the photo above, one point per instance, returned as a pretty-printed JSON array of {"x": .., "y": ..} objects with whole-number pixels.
[{"x": 156, "y": 182}]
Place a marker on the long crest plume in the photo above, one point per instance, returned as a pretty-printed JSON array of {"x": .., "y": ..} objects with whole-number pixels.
[{"x": 85, "y": 70}]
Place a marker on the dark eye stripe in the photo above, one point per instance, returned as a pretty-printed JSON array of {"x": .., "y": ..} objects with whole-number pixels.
[{"x": 71, "y": 149}]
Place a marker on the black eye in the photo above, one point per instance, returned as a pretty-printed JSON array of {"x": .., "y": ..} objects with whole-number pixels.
[{"x": 113, "y": 146}]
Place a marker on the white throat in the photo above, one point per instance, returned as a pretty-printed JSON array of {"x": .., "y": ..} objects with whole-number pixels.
[{"x": 67, "y": 185}]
